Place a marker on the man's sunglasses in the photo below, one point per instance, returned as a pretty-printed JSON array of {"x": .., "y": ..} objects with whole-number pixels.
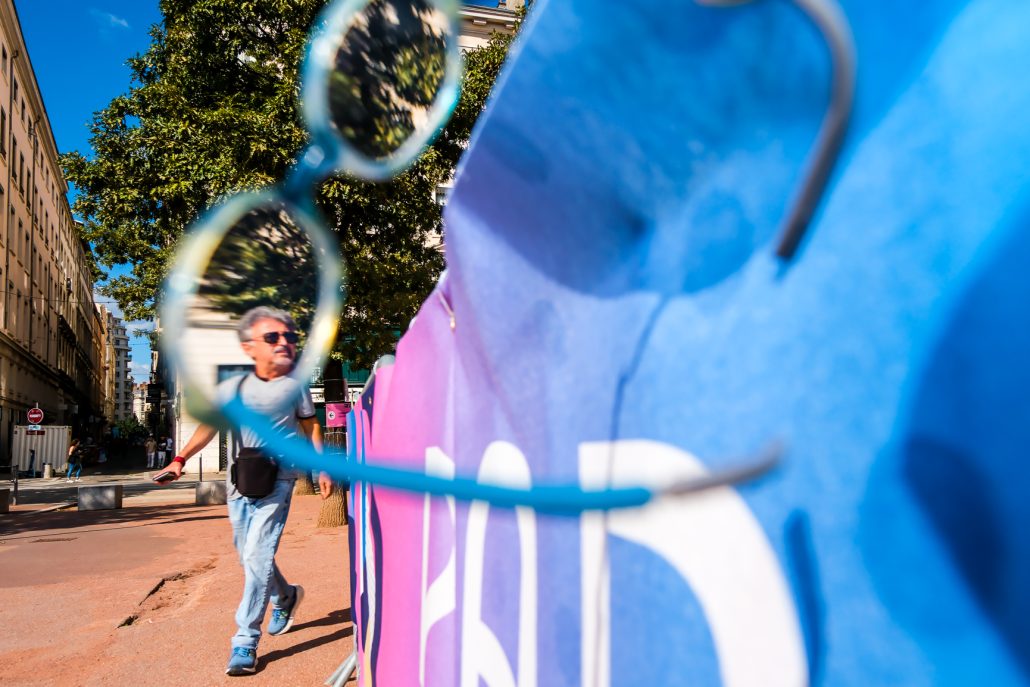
[{"x": 273, "y": 337}]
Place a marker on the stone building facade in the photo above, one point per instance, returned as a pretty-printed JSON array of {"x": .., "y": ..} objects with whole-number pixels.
[{"x": 50, "y": 331}]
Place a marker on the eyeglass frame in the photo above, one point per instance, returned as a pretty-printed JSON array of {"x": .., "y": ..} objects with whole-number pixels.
[{"x": 329, "y": 153}]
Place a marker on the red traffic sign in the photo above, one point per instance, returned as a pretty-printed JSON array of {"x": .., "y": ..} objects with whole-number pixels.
[{"x": 35, "y": 416}]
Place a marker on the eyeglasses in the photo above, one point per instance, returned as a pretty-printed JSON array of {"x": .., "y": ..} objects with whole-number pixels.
[
  {"x": 379, "y": 81},
  {"x": 273, "y": 337}
]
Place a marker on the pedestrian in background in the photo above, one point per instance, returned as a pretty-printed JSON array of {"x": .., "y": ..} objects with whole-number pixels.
[
  {"x": 150, "y": 446},
  {"x": 162, "y": 454},
  {"x": 74, "y": 462}
]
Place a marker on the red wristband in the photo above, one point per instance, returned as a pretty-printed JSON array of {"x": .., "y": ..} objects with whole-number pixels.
[{"x": 180, "y": 460}]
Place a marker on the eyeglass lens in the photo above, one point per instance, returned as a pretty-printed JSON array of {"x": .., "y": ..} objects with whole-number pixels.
[
  {"x": 389, "y": 67},
  {"x": 265, "y": 259}
]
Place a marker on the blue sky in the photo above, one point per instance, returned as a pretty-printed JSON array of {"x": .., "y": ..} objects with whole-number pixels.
[{"x": 78, "y": 51}]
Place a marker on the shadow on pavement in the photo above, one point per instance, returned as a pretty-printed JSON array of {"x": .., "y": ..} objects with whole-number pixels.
[
  {"x": 305, "y": 646},
  {"x": 33, "y": 523},
  {"x": 334, "y": 618}
]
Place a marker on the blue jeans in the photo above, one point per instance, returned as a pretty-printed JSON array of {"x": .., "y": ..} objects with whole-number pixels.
[
  {"x": 257, "y": 525},
  {"x": 76, "y": 468}
]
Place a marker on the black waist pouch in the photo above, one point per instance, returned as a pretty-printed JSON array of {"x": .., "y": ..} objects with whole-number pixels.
[{"x": 254, "y": 473}]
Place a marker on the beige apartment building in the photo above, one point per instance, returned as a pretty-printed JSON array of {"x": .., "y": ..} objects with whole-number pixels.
[
  {"x": 116, "y": 377},
  {"x": 51, "y": 334},
  {"x": 140, "y": 407},
  {"x": 478, "y": 23}
]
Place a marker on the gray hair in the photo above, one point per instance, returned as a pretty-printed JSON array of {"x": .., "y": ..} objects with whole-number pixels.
[{"x": 262, "y": 312}]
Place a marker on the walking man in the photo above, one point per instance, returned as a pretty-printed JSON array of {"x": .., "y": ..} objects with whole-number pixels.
[
  {"x": 269, "y": 337},
  {"x": 150, "y": 446}
]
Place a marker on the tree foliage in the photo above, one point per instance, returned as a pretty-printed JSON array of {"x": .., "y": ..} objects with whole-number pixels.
[
  {"x": 130, "y": 426},
  {"x": 211, "y": 109}
]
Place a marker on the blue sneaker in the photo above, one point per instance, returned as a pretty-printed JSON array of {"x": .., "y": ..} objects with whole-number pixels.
[
  {"x": 242, "y": 662},
  {"x": 282, "y": 618}
]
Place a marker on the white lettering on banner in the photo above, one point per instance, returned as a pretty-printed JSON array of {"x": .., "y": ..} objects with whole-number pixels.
[
  {"x": 595, "y": 597},
  {"x": 481, "y": 653},
  {"x": 438, "y": 599},
  {"x": 715, "y": 543}
]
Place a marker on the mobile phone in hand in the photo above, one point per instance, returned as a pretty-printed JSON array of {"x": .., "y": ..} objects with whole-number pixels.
[{"x": 164, "y": 477}]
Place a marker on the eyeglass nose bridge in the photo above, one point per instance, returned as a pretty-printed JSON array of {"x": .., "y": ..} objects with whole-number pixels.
[{"x": 832, "y": 24}]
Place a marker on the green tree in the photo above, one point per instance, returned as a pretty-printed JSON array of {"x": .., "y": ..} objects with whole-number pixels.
[
  {"x": 212, "y": 109},
  {"x": 130, "y": 426}
]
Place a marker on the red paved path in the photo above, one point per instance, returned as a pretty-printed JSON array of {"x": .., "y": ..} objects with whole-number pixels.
[{"x": 69, "y": 579}]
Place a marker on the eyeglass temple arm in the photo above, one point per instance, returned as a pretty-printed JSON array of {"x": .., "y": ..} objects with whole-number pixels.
[
  {"x": 765, "y": 461},
  {"x": 829, "y": 19},
  {"x": 563, "y": 499}
]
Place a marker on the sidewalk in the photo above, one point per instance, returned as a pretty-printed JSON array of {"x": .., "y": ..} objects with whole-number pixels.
[
  {"x": 126, "y": 466},
  {"x": 146, "y": 595},
  {"x": 35, "y": 494}
]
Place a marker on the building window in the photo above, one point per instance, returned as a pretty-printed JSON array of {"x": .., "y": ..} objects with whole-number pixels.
[
  {"x": 3, "y": 60},
  {"x": 3, "y": 131},
  {"x": 21, "y": 174}
]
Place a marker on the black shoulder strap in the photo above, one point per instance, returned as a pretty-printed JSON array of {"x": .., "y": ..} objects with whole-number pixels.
[{"x": 235, "y": 427}]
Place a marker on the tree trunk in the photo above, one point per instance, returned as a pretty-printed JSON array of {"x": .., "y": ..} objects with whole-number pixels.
[
  {"x": 304, "y": 486},
  {"x": 334, "y": 508}
]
